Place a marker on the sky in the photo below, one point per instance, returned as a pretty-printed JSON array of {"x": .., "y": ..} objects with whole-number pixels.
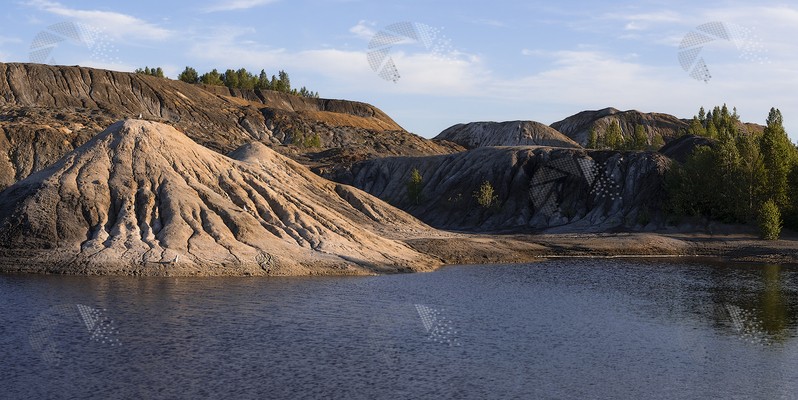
[{"x": 432, "y": 64}]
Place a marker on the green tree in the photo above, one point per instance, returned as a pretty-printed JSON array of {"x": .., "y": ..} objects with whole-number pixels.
[
  {"x": 592, "y": 139},
  {"x": 283, "y": 82},
  {"x": 246, "y": 80},
  {"x": 657, "y": 142},
  {"x": 263, "y": 81},
  {"x": 791, "y": 217},
  {"x": 230, "y": 79},
  {"x": 696, "y": 127},
  {"x": 613, "y": 136},
  {"x": 639, "y": 139},
  {"x": 414, "y": 186},
  {"x": 189, "y": 75},
  {"x": 770, "y": 221},
  {"x": 486, "y": 196},
  {"x": 712, "y": 130},
  {"x": 212, "y": 78},
  {"x": 751, "y": 175},
  {"x": 702, "y": 115},
  {"x": 692, "y": 186},
  {"x": 156, "y": 72},
  {"x": 777, "y": 153}
]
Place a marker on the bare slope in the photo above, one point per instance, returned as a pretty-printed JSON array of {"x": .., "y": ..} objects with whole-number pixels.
[
  {"x": 535, "y": 188},
  {"x": 47, "y": 111},
  {"x": 510, "y": 133},
  {"x": 143, "y": 198}
]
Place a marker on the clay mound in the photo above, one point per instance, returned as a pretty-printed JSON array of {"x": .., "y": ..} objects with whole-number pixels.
[
  {"x": 142, "y": 198},
  {"x": 511, "y": 133}
]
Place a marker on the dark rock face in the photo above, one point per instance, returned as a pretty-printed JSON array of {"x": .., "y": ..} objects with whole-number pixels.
[
  {"x": 577, "y": 127},
  {"x": 536, "y": 188},
  {"x": 511, "y": 133},
  {"x": 682, "y": 147},
  {"x": 47, "y": 111}
]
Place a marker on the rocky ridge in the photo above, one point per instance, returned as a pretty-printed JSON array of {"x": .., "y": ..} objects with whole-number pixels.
[{"x": 47, "y": 111}]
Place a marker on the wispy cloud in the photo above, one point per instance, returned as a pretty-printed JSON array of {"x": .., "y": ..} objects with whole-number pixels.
[
  {"x": 487, "y": 22},
  {"x": 237, "y": 5},
  {"x": 364, "y": 30},
  {"x": 9, "y": 39},
  {"x": 114, "y": 24}
]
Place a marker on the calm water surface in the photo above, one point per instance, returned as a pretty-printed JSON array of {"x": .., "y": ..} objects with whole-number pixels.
[{"x": 560, "y": 329}]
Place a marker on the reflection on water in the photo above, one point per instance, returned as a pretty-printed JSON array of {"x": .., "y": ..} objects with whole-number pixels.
[
  {"x": 567, "y": 328},
  {"x": 760, "y": 308}
]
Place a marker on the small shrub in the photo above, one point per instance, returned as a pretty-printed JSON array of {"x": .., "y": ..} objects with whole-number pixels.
[
  {"x": 486, "y": 196},
  {"x": 769, "y": 221},
  {"x": 313, "y": 141},
  {"x": 414, "y": 185}
]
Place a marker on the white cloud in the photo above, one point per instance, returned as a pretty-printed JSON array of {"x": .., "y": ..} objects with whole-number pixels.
[
  {"x": 237, "y": 5},
  {"x": 117, "y": 25},
  {"x": 364, "y": 30}
]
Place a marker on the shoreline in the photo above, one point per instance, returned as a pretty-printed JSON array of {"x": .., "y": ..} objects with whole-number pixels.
[{"x": 459, "y": 249}]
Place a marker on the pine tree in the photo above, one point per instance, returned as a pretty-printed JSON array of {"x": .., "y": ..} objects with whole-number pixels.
[
  {"x": 696, "y": 127},
  {"x": 263, "y": 81},
  {"x": 640, "y": 139},
  {"x": 613, "y": 136},
  {"x": 777, "y": 153},
  {"x": 592, "y": 139},
  {"x": 230, "y": 79},
  {"x": 712, "y": 130},
  {"x": 284, "y": 82},
  {"x": 189, "y": 75},
  {"x": 212, "y": 78}
]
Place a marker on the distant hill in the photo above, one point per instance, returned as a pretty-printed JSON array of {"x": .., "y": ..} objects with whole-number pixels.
[
  {"x": 47, "y": 111},
  {"x": 577, "y": 127},
  {"x": 511, "y": 133}
]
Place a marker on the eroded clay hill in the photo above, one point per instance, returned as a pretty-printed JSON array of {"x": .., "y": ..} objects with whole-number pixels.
[
  {"x": 143, "y": 198},
  {"x": 535, "y": 188},
  {"x": 47, "y": 111},
  {"x": 510, "y": 133}
]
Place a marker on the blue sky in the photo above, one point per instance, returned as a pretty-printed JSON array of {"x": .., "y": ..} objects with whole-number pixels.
[{"x": 495, "y": 60}]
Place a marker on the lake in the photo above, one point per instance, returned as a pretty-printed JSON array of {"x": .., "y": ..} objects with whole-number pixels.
[{"x": 555, "y": 329}]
